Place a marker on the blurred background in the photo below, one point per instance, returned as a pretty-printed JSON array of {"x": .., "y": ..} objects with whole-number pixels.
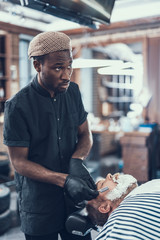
[{"x": 116, "y": 51}]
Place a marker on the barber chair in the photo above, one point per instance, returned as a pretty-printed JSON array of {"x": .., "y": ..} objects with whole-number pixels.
[
  {"x": 79, "y": 223},
  {"x": 153, "y": 142}
]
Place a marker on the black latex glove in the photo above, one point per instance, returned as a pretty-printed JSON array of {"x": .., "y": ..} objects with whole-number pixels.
[
  {"x": 78, "y": 169},
  {"x": 78, "y": 190}
]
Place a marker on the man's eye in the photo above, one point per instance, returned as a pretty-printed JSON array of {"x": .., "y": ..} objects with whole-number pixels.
[
  {"x": 100, "y": 184},
  {"x": 58, "y": 68}
]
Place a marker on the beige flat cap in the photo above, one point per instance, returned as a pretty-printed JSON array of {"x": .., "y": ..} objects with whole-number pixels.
[{"x": 48, "y": 42}]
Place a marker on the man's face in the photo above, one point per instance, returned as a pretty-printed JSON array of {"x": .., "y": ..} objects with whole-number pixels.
[
  {"x": 105, "y": 182},
  {"x": 56, "y": 71},
  {"x": 109, "y": 182},
  {"x": 94, "y": 208},
  {"x": 117, "y": 184},
  {"x": 100, "y": 208}
]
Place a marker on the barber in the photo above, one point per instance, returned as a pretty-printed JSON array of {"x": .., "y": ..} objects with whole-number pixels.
[{"x": 48, "y": 137}]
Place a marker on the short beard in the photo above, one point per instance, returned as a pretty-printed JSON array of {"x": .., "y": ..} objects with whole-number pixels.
[{"x": 57, "y": 92}]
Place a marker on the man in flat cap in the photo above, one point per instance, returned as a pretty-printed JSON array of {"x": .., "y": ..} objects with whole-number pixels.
[{"x": 48, "y": 137}]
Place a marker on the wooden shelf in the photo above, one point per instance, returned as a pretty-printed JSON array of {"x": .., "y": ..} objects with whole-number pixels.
[
  {"x": 123, "y": 99},
  {"x": 15, "y": 57},
  {"x": 3, "y": 99},
  {"x": 2, "y": 55},
  {"x": 117, "y": 94},
  {"x": 5, "y": 58},
  {"x": 118, "y": 85},
  {"x": 4, "y": 78}
]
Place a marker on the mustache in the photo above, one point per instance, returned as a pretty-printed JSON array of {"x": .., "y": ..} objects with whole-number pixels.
[{"x": 65, "y": 82}]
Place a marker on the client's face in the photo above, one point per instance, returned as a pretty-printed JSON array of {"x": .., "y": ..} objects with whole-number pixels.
[
  {"x": 109, "y": 181},
  {"x": 117, "y": 185}
]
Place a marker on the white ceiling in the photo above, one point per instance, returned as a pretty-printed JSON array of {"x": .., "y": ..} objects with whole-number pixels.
[{"x": 123, "y": 10}]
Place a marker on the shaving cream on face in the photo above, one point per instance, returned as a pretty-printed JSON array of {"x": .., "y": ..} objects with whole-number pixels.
[{"x": 123, "y": 183}]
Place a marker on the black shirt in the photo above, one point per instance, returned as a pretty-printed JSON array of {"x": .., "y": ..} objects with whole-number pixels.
[{"x": 48, "y": 127}]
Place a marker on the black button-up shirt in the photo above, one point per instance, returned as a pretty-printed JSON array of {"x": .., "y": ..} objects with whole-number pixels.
[{"x": 48, "y": 127}]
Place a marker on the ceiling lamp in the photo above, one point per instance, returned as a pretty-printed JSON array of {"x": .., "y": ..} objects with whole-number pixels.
[
  {"x": 112, "y": 71},
  {"x": 90, "y": 63},
  {"x": 126, "y": 68}
]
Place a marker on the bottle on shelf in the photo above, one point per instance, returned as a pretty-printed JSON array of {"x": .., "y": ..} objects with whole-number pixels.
[{"x": 1, "y": 92}]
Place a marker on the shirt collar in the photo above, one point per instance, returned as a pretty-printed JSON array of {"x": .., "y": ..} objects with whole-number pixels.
[
  {"x": 42, "y": 90},
  {"x": 39, "y": 88}
]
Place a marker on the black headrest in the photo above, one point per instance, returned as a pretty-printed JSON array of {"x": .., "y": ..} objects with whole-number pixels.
[{"x": 79, "y": 223}]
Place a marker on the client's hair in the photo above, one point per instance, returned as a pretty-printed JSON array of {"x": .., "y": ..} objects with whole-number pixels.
[
  {"x": 96, "y": 217},
  {"x": 99, "y": 218}
]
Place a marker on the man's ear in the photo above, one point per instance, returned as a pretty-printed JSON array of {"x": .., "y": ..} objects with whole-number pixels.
[
  {"x": 37, "y": 65},
  {"x": 104, "y": 208}
]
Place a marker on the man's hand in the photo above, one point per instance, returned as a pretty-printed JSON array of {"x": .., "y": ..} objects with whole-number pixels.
[
  {"x": 78, "y": 169},
  {"x": 78, "y": 190}
]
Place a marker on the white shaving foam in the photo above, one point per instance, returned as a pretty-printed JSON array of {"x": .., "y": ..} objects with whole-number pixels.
[{"x": 124, "y": 182}]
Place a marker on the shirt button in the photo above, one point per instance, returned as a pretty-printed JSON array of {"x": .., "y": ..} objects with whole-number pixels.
[
  {"x": 59, "y": 138},
  {"x": 54, "y": 99},
  {"x": 58, "y": 119}
]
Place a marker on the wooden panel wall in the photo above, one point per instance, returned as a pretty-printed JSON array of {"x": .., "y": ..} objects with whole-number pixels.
[
  {"x": 153, "y": 77},
  {"x": 14, "y": 63}
]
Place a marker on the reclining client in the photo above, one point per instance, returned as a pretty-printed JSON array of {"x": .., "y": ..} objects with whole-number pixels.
[{"x": 126, "y": 210}]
